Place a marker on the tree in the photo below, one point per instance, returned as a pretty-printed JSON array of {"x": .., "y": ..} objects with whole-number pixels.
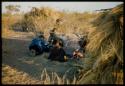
[{"x": 12, "y": 8}]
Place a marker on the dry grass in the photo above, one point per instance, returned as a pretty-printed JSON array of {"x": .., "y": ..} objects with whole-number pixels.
[
  {"x": 104, "y": 58},
  {"x": 13, "y": 76},
  {"x": 55, "y": 79},
  {"x": 44, "y": 19},
  {"x": 106, "y": 47},
  {"x": 7, "y": 22}
]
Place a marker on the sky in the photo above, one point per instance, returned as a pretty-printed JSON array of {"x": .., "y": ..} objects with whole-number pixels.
[{"x": 61, "y": 6}]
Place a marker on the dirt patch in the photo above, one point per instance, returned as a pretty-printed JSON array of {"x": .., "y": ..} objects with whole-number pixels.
[{"x": 16, "y": 57}]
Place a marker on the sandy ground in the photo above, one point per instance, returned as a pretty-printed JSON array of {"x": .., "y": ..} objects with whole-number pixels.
[{"x": 15, "y": 54}]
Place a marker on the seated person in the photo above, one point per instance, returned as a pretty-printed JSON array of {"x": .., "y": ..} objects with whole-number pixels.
[
  {"x": 79, "y": 53},
  {"x": 38, "y": 40},
  {"x": 52, "y": 36},
  {"x": 37, "y": 43},
  {"x": 57, "y": 52}
]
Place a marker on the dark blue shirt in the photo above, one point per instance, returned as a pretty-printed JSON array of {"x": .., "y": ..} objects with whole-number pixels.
[{"x": 38, "y": 41}]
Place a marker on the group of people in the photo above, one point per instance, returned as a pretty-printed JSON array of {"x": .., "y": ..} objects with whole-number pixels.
[{"x": 58, "y": 53}]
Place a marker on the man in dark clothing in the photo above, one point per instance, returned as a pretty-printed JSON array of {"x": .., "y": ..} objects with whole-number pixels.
[
  {"x": 82, "y": 43},
  {"x": 57, "y": 52},
  {"x": 36, "y": 46},
  {"x": 52, "y": 36},
  {"x": 38, "y": 40}
]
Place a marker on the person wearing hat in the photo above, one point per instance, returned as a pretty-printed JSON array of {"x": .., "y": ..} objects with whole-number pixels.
[{"x": 52, "y": 36}]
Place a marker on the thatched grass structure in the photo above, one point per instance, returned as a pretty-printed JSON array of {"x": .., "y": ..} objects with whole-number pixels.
[{"x": 106, "y": 47}]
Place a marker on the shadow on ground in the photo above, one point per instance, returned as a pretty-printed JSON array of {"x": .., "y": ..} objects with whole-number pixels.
[{"x": 15, "y": 54}]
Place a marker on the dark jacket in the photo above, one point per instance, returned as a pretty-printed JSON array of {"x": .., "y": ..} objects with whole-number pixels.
[
  {"x": 37, "y": 41},
  {"x": 57, "y": 54},
  {"x": 52, "y": 38}
]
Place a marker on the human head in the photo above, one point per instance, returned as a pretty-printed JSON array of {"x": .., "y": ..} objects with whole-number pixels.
[
  {"x": 41, "y": 35},
  {"x": 83, "y": 41},
  {"x": 58, "y": 42},
  {"x": 52, "y": 32}
]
